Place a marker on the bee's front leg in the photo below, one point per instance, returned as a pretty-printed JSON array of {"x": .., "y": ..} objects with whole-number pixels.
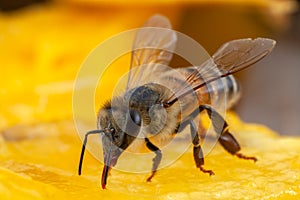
[
  {"x": 156, "y": 159},
  {"x": 226, "y": 139},
  {"x": 197, "y": 151}
]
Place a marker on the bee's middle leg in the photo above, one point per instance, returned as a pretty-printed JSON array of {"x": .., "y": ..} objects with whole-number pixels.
[
  {"x": 197, "y": 151},
  {"x": 156, "y": 159}
]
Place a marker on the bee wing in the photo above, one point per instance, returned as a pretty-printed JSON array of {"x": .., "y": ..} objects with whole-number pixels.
[
  {"x": 232, "y": 57},
  {"x": 153, "y": 46}
]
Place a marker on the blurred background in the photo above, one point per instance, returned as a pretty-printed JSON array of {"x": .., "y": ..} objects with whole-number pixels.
[{"x": 44, "y": 42}]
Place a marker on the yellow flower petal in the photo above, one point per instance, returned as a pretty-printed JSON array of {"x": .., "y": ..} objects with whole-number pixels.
[{"x": 40, "y": 166}]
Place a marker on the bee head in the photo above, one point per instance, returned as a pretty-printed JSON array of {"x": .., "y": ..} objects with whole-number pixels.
[{"x": 120, "y": 128}]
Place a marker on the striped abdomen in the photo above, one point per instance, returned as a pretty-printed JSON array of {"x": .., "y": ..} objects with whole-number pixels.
[{"x": 226, "y": 90}]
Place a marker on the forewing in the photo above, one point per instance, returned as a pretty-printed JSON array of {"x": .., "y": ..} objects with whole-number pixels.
[
  {"x": 232, "y": 57},
  {"x": 239, "y": 54},
  {"x": 152, "y": 48}
]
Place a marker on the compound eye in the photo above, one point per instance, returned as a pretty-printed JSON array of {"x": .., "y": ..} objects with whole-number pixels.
[{"x": 135, "y": 116}]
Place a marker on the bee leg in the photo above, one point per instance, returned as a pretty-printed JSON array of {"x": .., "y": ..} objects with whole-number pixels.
[
  {"x": 226, "y": 139},
  {"x": 156, "y": 159},
  {"x": 197, "y": 151}
]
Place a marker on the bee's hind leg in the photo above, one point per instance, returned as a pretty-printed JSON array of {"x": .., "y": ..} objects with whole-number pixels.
[
  {"x": 156, "y": 159},
  {"x": 197, "y": 151},
  {"x": 226, "y": 139}
]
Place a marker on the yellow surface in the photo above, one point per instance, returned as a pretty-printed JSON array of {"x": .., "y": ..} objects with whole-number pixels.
[
  {"x": 44, "y": 166},
  {"x": 41, "y": 49}
]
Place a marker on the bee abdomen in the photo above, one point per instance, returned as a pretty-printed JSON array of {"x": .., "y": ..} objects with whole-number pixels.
[
  {"x": 234, "y": 90},
  {"x": 225, "y": 90}
]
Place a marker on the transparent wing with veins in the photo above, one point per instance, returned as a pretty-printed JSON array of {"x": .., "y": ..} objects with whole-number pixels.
[
  {"x": 152, "y": 48},
  {"x": 230, "y": 58}
]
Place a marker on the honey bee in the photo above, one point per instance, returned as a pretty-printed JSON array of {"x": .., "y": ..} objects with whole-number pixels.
[{"x": 164, "y": 108}]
